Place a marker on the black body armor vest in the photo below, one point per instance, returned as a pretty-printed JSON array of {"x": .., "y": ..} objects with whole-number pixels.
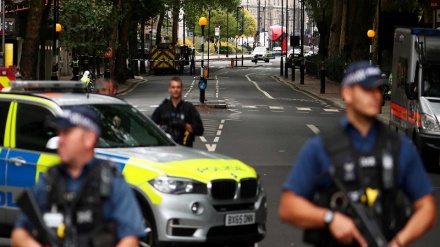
[
  {"x": 83, "y": 209},
  {"x": 376, "y": 170}
]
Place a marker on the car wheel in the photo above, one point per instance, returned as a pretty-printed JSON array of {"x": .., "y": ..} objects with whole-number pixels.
[
  {"x": 266, "y": 61},
  {"x": 150, "y": 228}
]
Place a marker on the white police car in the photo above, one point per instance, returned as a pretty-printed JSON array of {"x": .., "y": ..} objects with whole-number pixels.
[{"x": 188, "y": 196}]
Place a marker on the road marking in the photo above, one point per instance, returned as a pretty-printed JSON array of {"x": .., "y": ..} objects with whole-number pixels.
[
  {"x": 258, "y": 87},
  {"x": 249, "y": 106},
  {"x": 216, "y": 87},
  {"x": 203, "y": 139},
  {"x": 190, "y": 89},
  {"x": 303, "y": 109},
  {"x": 313, "y": 128},
  {"x": 276, "y": 107},
  {"x": 219, "y": 132},
  {"x": 220, "y": 126},
  {"x": 151, "y": 106},
  {"x": 277, "y": 111},
  {"x": 331, "y": 110},
  {"x": 216, "y": 139}
]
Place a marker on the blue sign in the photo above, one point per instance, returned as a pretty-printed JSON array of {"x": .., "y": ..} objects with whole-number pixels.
[
  {"x": 202, "y": 84},
  {"x": 6, "y": 199}
]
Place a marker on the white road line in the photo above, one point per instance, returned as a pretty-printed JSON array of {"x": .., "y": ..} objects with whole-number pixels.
[
  {"x": 219, "y": 132},
  {"x": 276, "y": 107},
  {"x": 154, "y": 106},
  {"x": 253, "y": 110},
  {"x": 331, "y": 110},
  {"x": 303, "y": 109},
  {"x": 313, "y": 128},
  {"x": 249, "y": 107},
  {"x": 216, "y": 87},
  {"x": 203, "y": 139},
  {"x": 216, "y": 139},
  {"x": 220, "y": 126},
  {"x": 258, "y": 87},
  {"x": 223, "y": 121},
  {"x": 190, "y": 88}
]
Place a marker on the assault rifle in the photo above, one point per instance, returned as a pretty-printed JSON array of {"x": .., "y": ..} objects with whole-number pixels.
[
  {"x": 372, "y": 233},
  {"x": 28, "y": 204}
]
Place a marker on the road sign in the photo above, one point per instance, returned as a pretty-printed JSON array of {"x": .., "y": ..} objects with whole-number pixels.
[
  {"x": 190, "y": 34},
  {"x": 434, "y": 4},
  {"x": 217, "y": 31}
]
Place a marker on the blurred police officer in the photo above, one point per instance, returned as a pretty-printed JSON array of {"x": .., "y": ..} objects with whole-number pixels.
[
  {"x": 365, "y": 156},
  {"x": 177, "y": 117},
  {"x": 93, "y": 201},
  {"x": 75, "y": 67}
]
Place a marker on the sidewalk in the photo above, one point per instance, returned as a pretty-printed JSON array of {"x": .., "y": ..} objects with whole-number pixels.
[
  {"x": 332, "y": 94},
  {"x": 123, "y": 88}
]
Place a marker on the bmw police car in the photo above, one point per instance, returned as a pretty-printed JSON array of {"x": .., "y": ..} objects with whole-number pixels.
[{"x": 188, "y": 196}]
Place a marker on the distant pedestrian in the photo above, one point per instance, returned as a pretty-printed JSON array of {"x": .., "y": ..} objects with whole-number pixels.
[
  {"x": 75, "y": 67},
  {"x": 85, "y": 62},
  {"x": 192, "y": 68},
  {"x": 181, "y": 64},
  {"x": 106, "y": 86}
]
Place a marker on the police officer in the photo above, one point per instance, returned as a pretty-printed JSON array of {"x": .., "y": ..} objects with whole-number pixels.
[
  {"x": 106, "y": 86},
  {"x": 90, "y": 199},
  {"x": 75, "y": 66},
  {"x": 373, "y": 159},
  {"x": 177, "y": 117}
]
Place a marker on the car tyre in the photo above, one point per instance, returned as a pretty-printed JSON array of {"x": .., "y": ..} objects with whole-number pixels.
[
  {"x": 266, "y": 61},
  {"x": 430, "y": 157}
]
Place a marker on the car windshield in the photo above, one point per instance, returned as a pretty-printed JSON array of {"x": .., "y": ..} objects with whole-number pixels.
[
  {"x": 431, "y": 76},
  {"x": 124, "y": 126},
  {"x": 260, "y": 49}
]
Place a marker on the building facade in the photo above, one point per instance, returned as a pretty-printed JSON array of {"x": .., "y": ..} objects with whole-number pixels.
[{"x": 270, "y": 13}]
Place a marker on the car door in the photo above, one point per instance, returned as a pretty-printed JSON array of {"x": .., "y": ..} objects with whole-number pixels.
[{"x": 27, "y": 157}]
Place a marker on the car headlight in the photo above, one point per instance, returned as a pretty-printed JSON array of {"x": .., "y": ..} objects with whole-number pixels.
[
  {"x": 429, "y": 123},
  {"x": 176, "y": 185}
]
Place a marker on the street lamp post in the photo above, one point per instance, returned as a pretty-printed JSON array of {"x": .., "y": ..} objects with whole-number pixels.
[
  {"x": 203, "y": 82},
  {"x": 371, "y": 34},
  {"x": 209, "y": 38},
  {"x": 286, "y": 70},
  {"x": 282, "y": 35},
  {"x": 56, "y": 29},
  {"x": 302, "y": 65},
  {"x": 242, "y": 37},
  {"x": 227, "y": 33},
  {"x": 236, "y": 59}
]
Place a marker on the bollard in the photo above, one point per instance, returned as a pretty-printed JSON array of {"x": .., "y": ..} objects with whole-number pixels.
[
  {"x": 203, "y": 83},
  {"x": 293, "y": 69},
  {"x": 322, "y": 78},
  {"x": 302, "y": 71},
  {"x": 232, "y": 63},
  {"x": 281, "y": 66},
  {"x": 286, "y": 70}
]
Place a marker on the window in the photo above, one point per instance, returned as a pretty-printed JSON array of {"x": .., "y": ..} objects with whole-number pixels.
[
  {"x": 4, "y": 108},
  {"x": 31, "y": 131}
]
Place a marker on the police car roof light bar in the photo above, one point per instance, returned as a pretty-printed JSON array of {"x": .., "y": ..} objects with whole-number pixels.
[{"x": 59, "y": 86}]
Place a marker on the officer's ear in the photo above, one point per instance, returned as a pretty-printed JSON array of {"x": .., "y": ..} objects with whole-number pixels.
[
  {"x": 347, "y": 94},
  {"x": 90, "y": 139}
]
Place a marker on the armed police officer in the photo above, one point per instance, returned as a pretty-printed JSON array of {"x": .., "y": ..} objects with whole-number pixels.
[
  {"x": 84, "y": 200},
  {"x": 177, "y": 117},
  {"x": 363, "y": 165}
]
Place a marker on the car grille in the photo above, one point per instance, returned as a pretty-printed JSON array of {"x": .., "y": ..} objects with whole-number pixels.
[{"x": 227, "y": 189}]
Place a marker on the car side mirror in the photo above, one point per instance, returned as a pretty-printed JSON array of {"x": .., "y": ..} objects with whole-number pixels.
[
  {"x": 411, "y": 90},
  {"x": 53, "y": 142}
]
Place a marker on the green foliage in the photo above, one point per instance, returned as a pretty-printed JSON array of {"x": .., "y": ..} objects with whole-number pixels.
[
  {"x": 87, "y": 24},
  {"x": 335, "y": 66}
]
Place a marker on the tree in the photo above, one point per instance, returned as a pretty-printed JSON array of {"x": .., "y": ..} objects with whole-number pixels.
[{"x": 29, "y": 56}]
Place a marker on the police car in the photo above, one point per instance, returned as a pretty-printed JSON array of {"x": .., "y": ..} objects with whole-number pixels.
[{"x": 188, "y": 196}]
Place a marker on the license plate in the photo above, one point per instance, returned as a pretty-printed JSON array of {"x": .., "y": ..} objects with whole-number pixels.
[{"x": 240, "y": 219}]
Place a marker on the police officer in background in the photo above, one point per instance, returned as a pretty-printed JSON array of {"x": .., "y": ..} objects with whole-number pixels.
[
  {"x": 177, "y": 117},
  {"x": 365, "y": 156},
  {"x": 106, "y": 86},
  {"x": 75, "y": 67},
  {"x": 95, "y": 204}
]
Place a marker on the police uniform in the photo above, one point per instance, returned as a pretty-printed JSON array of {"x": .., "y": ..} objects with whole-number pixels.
[
  {"x": 117, "y": 207},
  {"x": 173, "y": 119},
  {"x": 75, "y": 66},
  {"x": 313, "y": 160}
]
